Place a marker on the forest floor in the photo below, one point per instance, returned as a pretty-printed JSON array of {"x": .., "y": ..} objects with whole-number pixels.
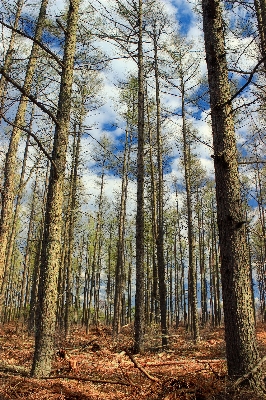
[{"x": 97, "y": 367}]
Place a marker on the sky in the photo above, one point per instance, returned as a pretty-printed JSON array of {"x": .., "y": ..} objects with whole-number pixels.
[
  {"x": 106, "y": 119},
  {"x": 119, "y": 70}
]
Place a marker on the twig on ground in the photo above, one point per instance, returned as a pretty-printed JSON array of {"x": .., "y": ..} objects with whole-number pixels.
[
  {"x": 80, "y": 378},
  {"x": 124, "y": 373},
  {"x": 161, "y": 363},
  {"x": 152, "y": 378}
]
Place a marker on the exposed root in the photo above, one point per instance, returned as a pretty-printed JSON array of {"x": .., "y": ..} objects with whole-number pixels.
[{"x": 254, "y": 378}]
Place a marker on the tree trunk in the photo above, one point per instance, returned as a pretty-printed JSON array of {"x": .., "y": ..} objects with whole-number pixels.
[
  {"x": 8, "y": 192},
  {"x": 120, "y": 261},
  {"x": 72, "y": 221},
  {"x": 44, "y": 346},
  {"x": 139, "y": 309},
  {"x": 160, "y": 220},
  {"x": 240, "y": 335},
  {"x": 260, "y": 7},
  {"x": 9, "y": 55},
  {"x": 192, "y": 282}
]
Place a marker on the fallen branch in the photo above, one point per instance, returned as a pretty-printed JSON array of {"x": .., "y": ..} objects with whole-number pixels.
[
  {"x": 157, "y": 364},
  {"x": 13, "y": 369},
  {"x": 152, "y": 378},
  {"x": 79, "y": 378}
]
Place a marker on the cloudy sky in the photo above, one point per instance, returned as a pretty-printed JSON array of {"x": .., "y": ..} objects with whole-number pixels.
[
  {"x": 106, "y": 120},
  {"x": 100, "y": 121}
]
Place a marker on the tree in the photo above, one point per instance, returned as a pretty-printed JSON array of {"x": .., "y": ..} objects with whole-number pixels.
[
  {"x": 139, "y": 310},
  {"x": 9, "y": 54},
  {"x": 240, "y": 336},
  {"x": 160, "y": 198},
  {"x": 128, "y": 97},
  {"x": 8, "y": 192},
  {"x": 50, "y": 258},
  {"x": 260, "y": 7}
]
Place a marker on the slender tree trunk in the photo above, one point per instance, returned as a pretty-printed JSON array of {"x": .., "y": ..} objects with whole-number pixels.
[
  {"x": 191, "y": 234},
  {"x": 37, "y": 258},
  {"x": 8, "y": 192},
  {"x": 71, "y": 225},
  {"x": 96, "y": 255},
  {"x": 154, "y": 297},
  {"x": 44, "y": 346},
  {"x": 120, "y": 261},
  {"x": 13, "y": 225},
  {"x": 160, "y": 221},
  {"x": 260, "y": 7},
  {"x": 240, "y": 335},
  {"x": 139, "y": 309},
  {"x": 25, "y": 275},
  {"x": 9, "y": 55}
]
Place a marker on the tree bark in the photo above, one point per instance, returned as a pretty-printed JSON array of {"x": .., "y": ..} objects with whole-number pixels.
[
  {"x": 160, "y": 220},
  {"x": 240, "y": 336},
  {"x": 46, "y": 318},
  {"x": 9, "y": 55},
  {"x": 8, "y": 192},
  {"x": 139, "y": 306}
]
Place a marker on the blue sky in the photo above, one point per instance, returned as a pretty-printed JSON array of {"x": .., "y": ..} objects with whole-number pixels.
[{"x": 106, "y": 119}]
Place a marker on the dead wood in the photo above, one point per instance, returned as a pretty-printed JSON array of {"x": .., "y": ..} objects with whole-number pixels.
[
  {"x": 177, "y": 362},
  {"x": 83, "y": 379},
  {"x": 4, "y": 367},
  {"x": 152, "y": 378}
]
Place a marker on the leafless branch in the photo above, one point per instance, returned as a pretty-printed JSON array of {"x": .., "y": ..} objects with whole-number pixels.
[
  {"x": 252, "y": 73},
  {"x": 28, "y": 95},
  {"x": 83, "y": 379},
  {"x": 33, "y": 136},
  {"x": 45, "y": 48},
  {"x": 152, "y": 378},
  {"x": 247, "y": 162}
]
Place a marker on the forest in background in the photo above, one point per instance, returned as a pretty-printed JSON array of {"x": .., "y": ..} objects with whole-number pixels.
[{"x": 129, "y": 171}]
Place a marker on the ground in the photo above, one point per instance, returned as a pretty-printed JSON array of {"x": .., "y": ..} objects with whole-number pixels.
[{"x": 90, "y": 366}]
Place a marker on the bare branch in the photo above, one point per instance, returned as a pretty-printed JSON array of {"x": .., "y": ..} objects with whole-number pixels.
[
  {"x": 31, "y": 134},
  {"x": 152, "y": 378},
  {"x": 28, "y": 95},
  {"x": 246, "y": 162},
  {"x": 80, "y": 378},
  {"x": 45, "y": 48},
  {"x": 252, "y": 73}
]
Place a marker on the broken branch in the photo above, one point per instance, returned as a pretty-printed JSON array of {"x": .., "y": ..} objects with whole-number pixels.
[{"x": 152, "y": 378}]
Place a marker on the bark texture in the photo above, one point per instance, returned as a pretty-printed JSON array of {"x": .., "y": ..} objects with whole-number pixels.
[
  {"x": 139, "y": 313},
  {"x": 45, "y": 326},
  {"x": 241, "y": 346},
  {"x": 8, "y": 193},
  {"x": 160, "y": 199}
]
